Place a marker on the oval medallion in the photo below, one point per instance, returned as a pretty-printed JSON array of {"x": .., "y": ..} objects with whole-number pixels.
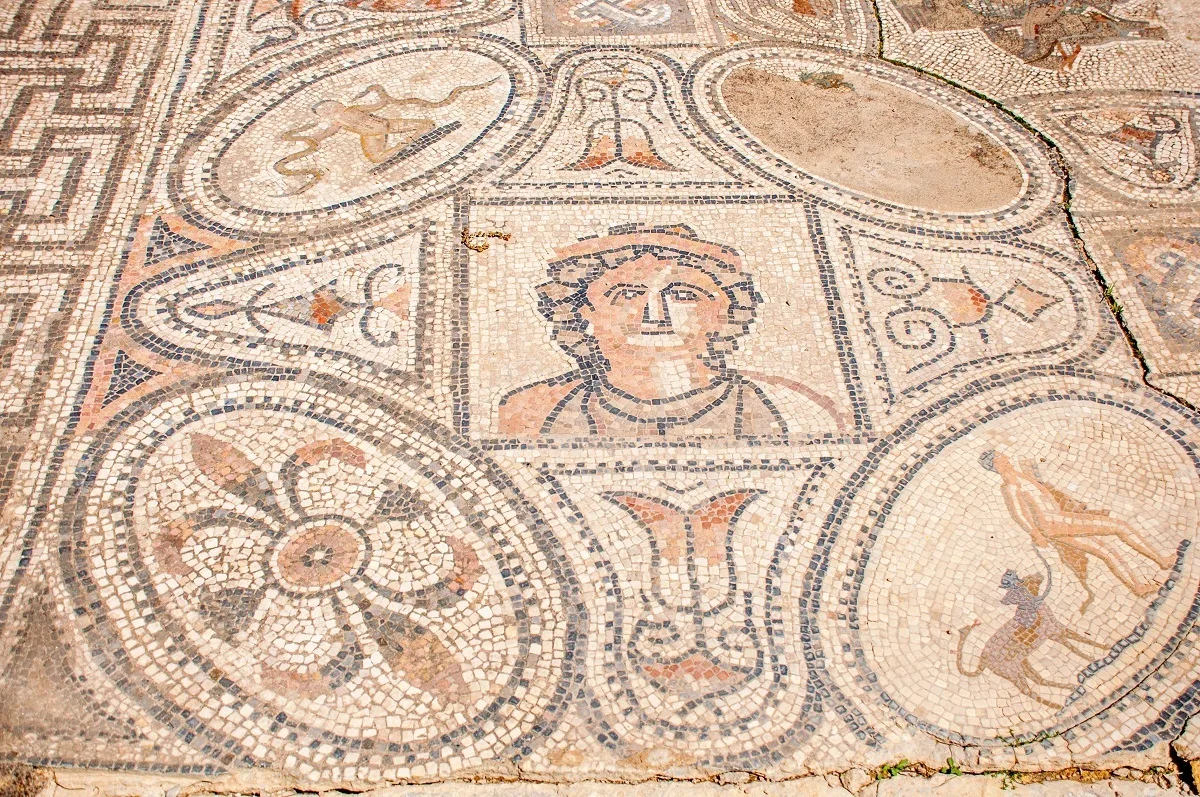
[
  {"x": 375, "y": 131},
  {"x": 874, "y": 137},
  {"x": 328, "y": 570},
  {"x": 871, "y": 138}
]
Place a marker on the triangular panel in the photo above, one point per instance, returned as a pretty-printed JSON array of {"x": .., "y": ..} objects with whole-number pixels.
[
  {"x": 165, "y": 244},
  {"x": 127, "y": 374}
]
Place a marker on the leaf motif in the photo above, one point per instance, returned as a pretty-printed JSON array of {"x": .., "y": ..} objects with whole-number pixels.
[
  {"x": 429, "y": 664},
  {"x": 221, "y": 462},
  {"x": 421, "y": 658},
  {"x": 309, "y": 685},
  {"x": 168, "y": 545},
  {"x": 710, "y": 522},
  {"x": 397, "y": 301},
  {"x": 321, "y": 450},
  {"x": 466, "y": 567},
  {"x": 401, "y": 504},
  {"x": 325, "y": 307},
  {"x": 233, "y": 471},
  {"x": 666, "y": 524},
  {"x": 226, "y": 609},
  {"x": 216, "y": 309}
]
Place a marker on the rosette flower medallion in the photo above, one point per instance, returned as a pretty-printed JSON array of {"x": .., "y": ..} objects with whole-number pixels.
[{"x": 320, "y": 566}]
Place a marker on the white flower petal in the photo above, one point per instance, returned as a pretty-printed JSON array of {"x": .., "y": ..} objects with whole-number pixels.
[
  {"x": 296, "y": 634},
  {"x": 407, "y": 557},
  {"x": 226, "y": 556}
]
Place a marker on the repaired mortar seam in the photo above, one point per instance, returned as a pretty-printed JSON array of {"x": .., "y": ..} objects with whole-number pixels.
[{"x": 925, "y": 772}]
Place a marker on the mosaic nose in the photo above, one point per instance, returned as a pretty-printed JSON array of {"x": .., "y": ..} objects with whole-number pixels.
[{"x": 655, "y": 310}]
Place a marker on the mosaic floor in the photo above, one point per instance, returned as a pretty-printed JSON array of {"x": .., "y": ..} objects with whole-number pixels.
[{"x": 408, "y": 389}]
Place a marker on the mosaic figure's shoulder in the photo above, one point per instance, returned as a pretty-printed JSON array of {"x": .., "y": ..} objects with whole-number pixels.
[{"x": 525, "y": 410}]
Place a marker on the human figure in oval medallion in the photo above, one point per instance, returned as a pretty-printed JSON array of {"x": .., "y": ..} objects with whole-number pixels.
[{"x": 1073, "y": 529}]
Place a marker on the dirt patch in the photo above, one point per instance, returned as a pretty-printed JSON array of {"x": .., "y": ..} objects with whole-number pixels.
[
  {"x": 875, "y": 138},
  {"x": 20, "y": 780}
]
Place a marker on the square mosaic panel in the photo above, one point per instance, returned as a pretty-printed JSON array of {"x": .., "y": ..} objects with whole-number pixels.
[{"x": 580, "y": 281}]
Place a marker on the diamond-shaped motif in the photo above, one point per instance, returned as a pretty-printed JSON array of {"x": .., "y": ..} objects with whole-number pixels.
[{"x": 1025, "y": 302}]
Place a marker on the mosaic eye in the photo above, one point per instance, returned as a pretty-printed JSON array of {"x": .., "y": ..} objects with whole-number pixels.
[{"x": 627, "y": 293}]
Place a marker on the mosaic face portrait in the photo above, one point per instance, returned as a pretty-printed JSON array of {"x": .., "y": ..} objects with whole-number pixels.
[{"x": 650, "y": 315}]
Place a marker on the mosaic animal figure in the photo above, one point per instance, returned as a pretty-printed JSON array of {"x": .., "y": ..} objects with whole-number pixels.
[
  {"x": 1007, "y": 651},
  {"x": 1148, "y": 147},
  {"x": 1049, "y": 34}
]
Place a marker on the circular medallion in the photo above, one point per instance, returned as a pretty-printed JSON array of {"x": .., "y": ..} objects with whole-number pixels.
[
  {"x": 329, "y": 573},
  {"x": 317, "y": 555},
  {"x": 1006, "y": 571}
]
